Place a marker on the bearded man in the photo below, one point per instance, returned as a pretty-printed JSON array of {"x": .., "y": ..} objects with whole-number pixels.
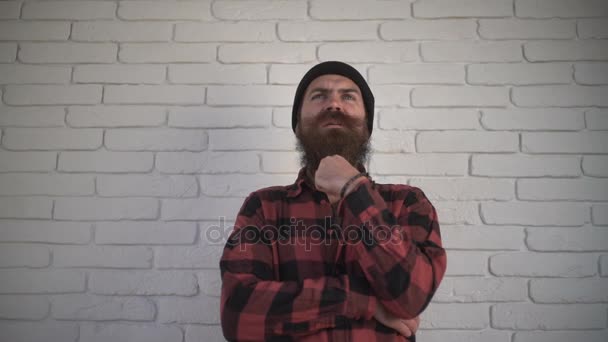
[{"x": 333, "y": 256}]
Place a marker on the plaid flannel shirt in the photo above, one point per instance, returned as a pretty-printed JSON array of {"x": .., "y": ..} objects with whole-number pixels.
[{"x": 296, "y": 268}]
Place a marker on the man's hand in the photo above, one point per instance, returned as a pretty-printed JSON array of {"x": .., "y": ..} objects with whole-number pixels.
[
  {"x": 333, "y": 172},
  {"x": 405, "y": 327}
]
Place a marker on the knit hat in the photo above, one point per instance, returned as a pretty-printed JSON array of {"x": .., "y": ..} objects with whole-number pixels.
[{"x": 334, "y": 68}]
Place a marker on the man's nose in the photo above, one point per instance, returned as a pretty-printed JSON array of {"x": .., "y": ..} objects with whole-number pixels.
[{"x": 333, "y": 103}]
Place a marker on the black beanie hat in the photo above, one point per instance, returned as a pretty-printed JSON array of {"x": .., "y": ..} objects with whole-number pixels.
[{"x": 335, "y": 68}]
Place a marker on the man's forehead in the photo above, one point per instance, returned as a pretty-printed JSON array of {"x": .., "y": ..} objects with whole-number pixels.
[{"x": 332, "y": 81}]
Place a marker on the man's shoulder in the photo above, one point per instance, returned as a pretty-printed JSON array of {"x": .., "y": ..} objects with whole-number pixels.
[{"x": 397, "y": 191}]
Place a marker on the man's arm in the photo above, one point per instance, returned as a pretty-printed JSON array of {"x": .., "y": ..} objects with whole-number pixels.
[
  {"x": 404, "y": 273},
  {"x": 256, "y": 306}
]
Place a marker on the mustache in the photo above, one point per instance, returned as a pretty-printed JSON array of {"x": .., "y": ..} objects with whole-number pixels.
[{"x": 335, "y": 115}]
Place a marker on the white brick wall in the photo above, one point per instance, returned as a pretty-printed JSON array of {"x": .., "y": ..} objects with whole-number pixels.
[{"x": 130, "y": 131}]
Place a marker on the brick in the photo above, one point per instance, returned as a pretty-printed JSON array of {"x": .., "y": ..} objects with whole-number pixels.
[
  {"x": 183, "y": 10},
  {"x": 215, "y": 233},
  {"x": 260, "y": 10},
  {"x": 130, "y": 333},
  {"x": 217, "y": 74},
  {"x": 16, "y": 331},
  {"x": 422, "y": 165},
  {"x": 45, "y": 231},
  {"x": 98, "y": 308},
  {"x": 250, "y": 139},
  {"x": 560, "y": 8},
  {"x": 392, "y": 141},
  {"x": 240, "y": 185},
  {"x": 267, "y": 53},
  {"x": 559, "y": 96},
  {"x": 34, "y": 30},
  {"x": 206, "y": 333},
  {"x": 69, "y": 10},
  {"x": 156, "y": 139},
  {"x": 280, "y": 162},
  {"x": 46, "y": 184},
  {"x": 281, "y": 117},
  {"x": 471, "y": 51},
  {"x": 483, "y": 237},
  {"x": 137, "y": 74},
  {"x": 23, "y": 307},
  {"x": 559, "y": 336},
  {"x": 369, "y": 52},
  {"x": 566, "y": 142},
  {"x": 456, "y": 316},
  {"x": 254, "y": 95},
  {"x": 557, "y": 119},
  {"x": 467, "y": 263},
  {"x": 519, "y": 74},
  {"x": 428, "y": 119},
  {"x": 27, "y": 161},
  {"x": 210, "y": 282},
  {"x": 32, "y": 116},
  {"x": 527, "y": 316},
  {"x": 204, "y": 208},
  {"x": 188, "y": 310},
  {"x": 102, "y": 256},
  {"x": 525, "y": 166},
  {"x": 457, "y": 212},
  {"x": 26, "y": 207},
  {"x": 97, "y": 31},
  {"x": 562, "y": 189},
  {"x": 567, "y": 239},
  {"x": 592, "y": 28},
  {"x": 595, "y": 166},
  {"x": 225, "y": 32},
  {"x": 526, "y": 264},
  {"x": 10, "y": 9},
  {"x": 145, "y": 233},
  {"x": 207, "y": 162},
  {"x": 465, "y": 141},
  {"x": 465, "y": 188},
  {"x": 599, "y": 214},
  {"x": 166, "y": 53},
  {"x": 591, "y": 74},
  {"x": 188, "y": 257},
  {"x": 343, "y": 10},
  {"x": 155, "y": 283},
  {"x": 24, "y": 256},
  {"x": 146, "y": 186},
  {"x": 392, "y": 95},
  {"x": 68, "y": 52},
  {"x": 17, "y": 74},
  {"x": 527, "y": 29},
  {"x": 105, "y": 208},
  {"x": 52, "y": 138},
  {"x": 462, "y": 8},
  {"x": 290, "y": 74},
  {"x": 104, "y": 161},
  {"x": 527, "y": 213},
  {"x": 218, "y": 117},
  {"x": 461, "y": 335},
  {"x": 573, "y": 50},
  {"x": 307, "y": 31},
  {"x": 455, "y": 96},
  {"x": 115, "y": 116},
  {"x": 604, "y": 265},
  {"x": 446, "y": 29},
  {"x": 597, "y": 119},
  {"x": 482, "y": 289},
  {"x": 569, "y": 290},
  {"x": 41, "y": 281},
  {"x": 8, "y": 52},
  {"x": 154, "y": 94},
  {"x": 419, "y": 73},
  {"x": 52, "y": 94}
]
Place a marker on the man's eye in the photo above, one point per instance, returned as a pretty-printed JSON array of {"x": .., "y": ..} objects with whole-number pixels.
[
  {"x": 348, "y": 97},
  {"x": 316, "y": 96}
]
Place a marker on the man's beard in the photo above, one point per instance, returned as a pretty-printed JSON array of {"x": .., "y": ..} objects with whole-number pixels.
[{"x": 318, "y": 143}]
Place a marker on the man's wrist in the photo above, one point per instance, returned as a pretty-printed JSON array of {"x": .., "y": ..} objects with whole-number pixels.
[{"x": 348, "y": 187}]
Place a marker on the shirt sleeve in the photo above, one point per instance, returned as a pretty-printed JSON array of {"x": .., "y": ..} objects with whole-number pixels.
[
  {"x": 401, "y": 255},
  {"x": 256, "y": 306}
]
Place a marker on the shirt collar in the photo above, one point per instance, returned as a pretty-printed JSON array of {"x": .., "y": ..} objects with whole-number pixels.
[{"x": 303, "y": 180}]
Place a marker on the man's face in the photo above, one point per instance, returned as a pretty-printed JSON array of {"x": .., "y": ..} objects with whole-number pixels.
[{"x": 332, "y": 121}]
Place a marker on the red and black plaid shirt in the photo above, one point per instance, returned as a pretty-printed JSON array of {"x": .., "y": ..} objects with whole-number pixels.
[{"x": 296, "y": 268}]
